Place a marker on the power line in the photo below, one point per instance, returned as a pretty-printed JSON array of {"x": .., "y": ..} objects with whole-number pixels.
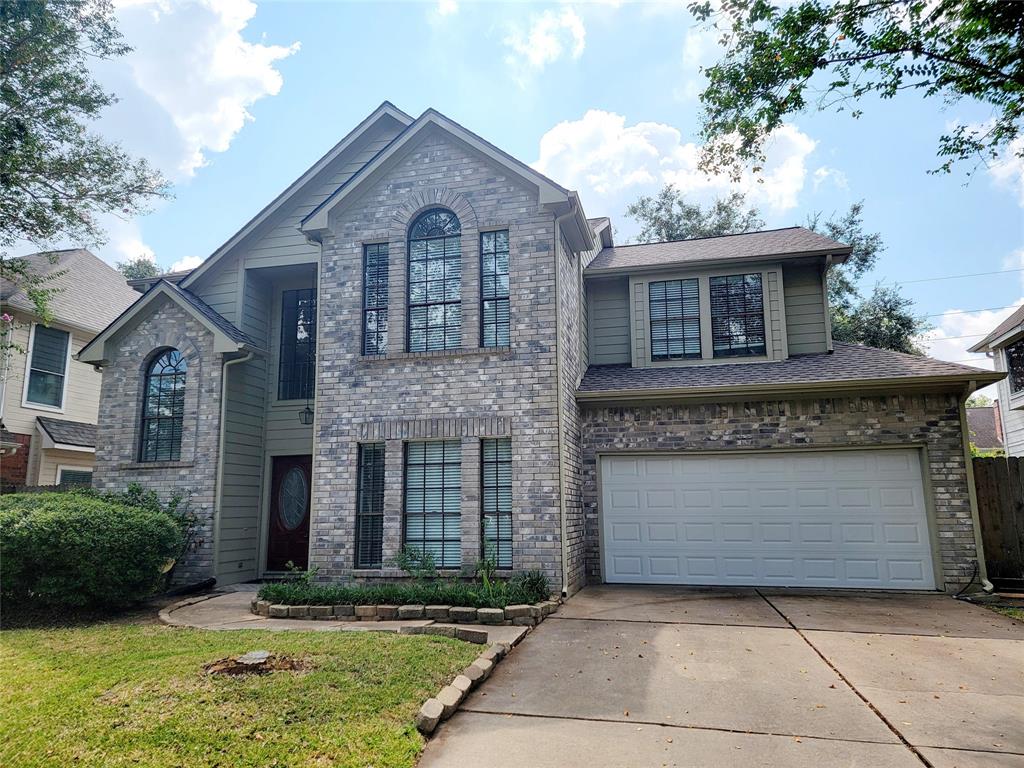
[
  {"x": 968, "y": 311},
  {"x": 950, "y": 338},
  {"x": 959, "y": 277}
]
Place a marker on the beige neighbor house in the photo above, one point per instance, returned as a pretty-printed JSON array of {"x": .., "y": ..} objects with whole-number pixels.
[
  {"x": 1005, "y": 345},
  {"x": 423, "y": 342},
  {"x": 48, "y": 400}
]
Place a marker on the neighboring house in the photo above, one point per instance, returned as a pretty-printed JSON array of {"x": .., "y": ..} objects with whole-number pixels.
[
  {"x": 1005, "y": 345},
  {"x": 986, "y": 427},
  {"x": 48, "y": 400},
  {"x": 423, "y": 342}
]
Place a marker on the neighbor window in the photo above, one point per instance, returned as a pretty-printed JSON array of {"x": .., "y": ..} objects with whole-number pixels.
[
  {"x": 77, "y": 477},
  {"x": 675, "y": 319},
  {"x": 433, "y": 497},
  {"x": 1015, "y": 366},
  {"x": 370, "y": 506},
  {"x": 494, "y": 306},
  {"x": 375, "y": 299},
  {"x": 163, "y": 408},
  {"x": 496, "y": 476},
  {"x": 435, "y": 282},
  {"x": 737, "y": 315},
  {"x": 298, "y": 345},
  {"x": 47, "y": 367}
]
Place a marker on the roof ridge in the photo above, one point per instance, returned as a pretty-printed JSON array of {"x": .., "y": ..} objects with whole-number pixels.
[{"x": 714, "y": 237}]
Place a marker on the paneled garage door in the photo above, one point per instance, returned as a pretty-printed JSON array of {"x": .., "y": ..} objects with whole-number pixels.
[{"x": 813, "y": 519}]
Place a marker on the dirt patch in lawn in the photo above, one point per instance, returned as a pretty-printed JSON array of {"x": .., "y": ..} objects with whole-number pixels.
[{"x": 255, "y": 663}]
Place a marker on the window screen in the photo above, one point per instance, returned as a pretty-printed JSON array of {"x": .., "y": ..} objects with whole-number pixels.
[
  {"x": 494, "y": 295},
  {"x": 433, "y": 497},
  {"x": 370, "y": 506},
  {"x": 496, "y": 475},
  {"x": 675, "y": 319},
  {"x": 375, "y": 299}
]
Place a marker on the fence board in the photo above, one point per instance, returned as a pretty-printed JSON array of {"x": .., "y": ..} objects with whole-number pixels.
[{"x": 999, "y": 483}]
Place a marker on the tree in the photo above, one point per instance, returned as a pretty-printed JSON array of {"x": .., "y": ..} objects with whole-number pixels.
[
  {"x": 669, "y": 217},
  {"x": 830, "y": 54},
  {"x": 980, "y": 401},
  {"x": 139, "y": 268}
]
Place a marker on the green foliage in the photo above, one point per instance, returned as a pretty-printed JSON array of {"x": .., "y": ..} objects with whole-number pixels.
[
  {"x": 669, "y": 217},
  {"x": 418, "y": 563},
  {"x": 980, "y": 401},
  {"x": 867, "y": 246},
  {"x": 783, "y": 59},
  {"x": 991, "y": 453},
  {"x": 85, "y": 549},
  {"x": 139, "y": 268}
]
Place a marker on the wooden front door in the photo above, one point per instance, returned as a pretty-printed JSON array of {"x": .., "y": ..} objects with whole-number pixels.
[{"x": 288, "y": 537}]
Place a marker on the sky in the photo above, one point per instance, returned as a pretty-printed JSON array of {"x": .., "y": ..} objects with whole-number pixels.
[{"x": 233, "y": 100}]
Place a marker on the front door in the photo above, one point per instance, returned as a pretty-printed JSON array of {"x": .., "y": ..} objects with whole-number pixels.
[{"x": 288, "y": 537}]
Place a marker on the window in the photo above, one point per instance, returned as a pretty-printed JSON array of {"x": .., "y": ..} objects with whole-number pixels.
[
  {"x": 435, "y": 282},
  {"x": 433, "y": 496},
  {"x": 675, "y": 319},
  {"x": 375, "y": 299},
  {"x": 47, "y": 367},
  {"x": 370, "y": 506},
  {"x": 71, "y": 476},
  {"x": 496, "y": 475},
  {"x": 494, "y": 308},
  {"x": 298, "y": 345},
  {"x": 163, "y": 408},
  {"x": 737, "y": 315},
  {"x": 1015, "y": 366}
]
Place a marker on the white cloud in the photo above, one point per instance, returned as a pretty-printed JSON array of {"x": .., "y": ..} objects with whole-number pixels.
[
  {"x": 447, "y": 7},
  {"x": 1008, "y": 170},
  {"x": 188, "y": 262},
  {"x": 824, "y": 174},
  {"x": 550, "y": 36}
]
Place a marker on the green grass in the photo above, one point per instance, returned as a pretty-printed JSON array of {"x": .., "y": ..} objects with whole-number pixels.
[
  {"x": 119, "y": 695},
  {"x": 1008, "y": 610}
]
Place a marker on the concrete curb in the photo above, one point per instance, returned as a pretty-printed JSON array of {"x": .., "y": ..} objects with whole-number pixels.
[
  {"x": 165, "y": 613},
  {"x": 446, "y": 703}
]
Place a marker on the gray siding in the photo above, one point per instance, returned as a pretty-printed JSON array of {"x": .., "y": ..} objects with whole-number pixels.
[
  {"x": 608, "y": 316},
  {"x": 285, "y": 436},
  {"x": 805, "y": 310}
]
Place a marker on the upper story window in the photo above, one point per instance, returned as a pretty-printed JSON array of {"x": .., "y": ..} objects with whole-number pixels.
[
  {"x": 494, "y": 295},
  {"x": 435, "y": 282},
  {"x": 163, "y": 408},
  {"x": 375, "y": 299},
  {"x": 737, "y": 315},
  {"x": 675, "y": 319},
  {"x": 48, "y": 367},
  {"x": 1015, "y": 366},
  {"x": 298, "y": 345}
]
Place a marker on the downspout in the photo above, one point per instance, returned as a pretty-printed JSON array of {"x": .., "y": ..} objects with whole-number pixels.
[
  {"x": 560, "y": 405},
  {"x": 971, "y": 492}
]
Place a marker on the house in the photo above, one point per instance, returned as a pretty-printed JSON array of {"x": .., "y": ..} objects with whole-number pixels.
[
  {"x": 424, "y": 342},
  {"x": 985, "y": 427},
  {"x": 49, "y": 401},
  {"x": 1005, "y": 345}
]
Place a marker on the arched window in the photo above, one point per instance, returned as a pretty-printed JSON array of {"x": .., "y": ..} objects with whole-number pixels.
[
  {"x": 163, "y": 407},
  {"x": 435, "y": 282}
]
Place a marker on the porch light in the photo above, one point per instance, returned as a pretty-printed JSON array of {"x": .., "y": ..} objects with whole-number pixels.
[{"x": 306, "y": 416}]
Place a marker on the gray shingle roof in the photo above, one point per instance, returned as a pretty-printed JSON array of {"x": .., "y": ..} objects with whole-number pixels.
[
  {"x": 752, "y": 245},
  {"x": 91, "y": 292},
  {"x": 1017, "y": 318},
  {"x": 849, "y": 362},
  {"x": 69, "y": 432},
  {"x": 223, "y": 324},
  {"x": 982, "y": 425}
]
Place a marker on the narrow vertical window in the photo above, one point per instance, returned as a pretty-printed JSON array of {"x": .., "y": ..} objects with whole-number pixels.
[
  {"x": 435, "y": 282},
  {"x": 47, "y": 367},
  {"x": 433, "y": 498},
  {"x": 737, "y": 315},
  {"x": 675, "y": 319},
  {"x": 370, "y": 506},
  {"x": 1015, "y": 366},
  {"x": 494, "y": 296},
  {"x": 496, "y": 476},
  {"x": 298, "y": 345},
  {"x": 375, "y": 299},
  {"x": 163, "y": 408}
]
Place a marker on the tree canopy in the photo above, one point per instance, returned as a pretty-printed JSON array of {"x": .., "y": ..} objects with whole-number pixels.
[
  {"x": 669, "y": 216},
  {"x": 139, "y": 268}
]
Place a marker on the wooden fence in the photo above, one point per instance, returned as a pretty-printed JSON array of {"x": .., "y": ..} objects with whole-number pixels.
[{"x": 1000, "y": 486}]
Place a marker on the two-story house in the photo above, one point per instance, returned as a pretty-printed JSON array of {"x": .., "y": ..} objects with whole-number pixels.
[
  {"x": 1005, "y": 345},
  {"x": 425, "y": 343},
  {"x": 49, "y": 402}
]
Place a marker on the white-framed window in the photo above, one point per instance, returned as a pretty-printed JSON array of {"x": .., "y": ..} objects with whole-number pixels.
[
  {"x": 1015, "y": 367},
  {"x": 46, "y": 373},
  {"x": 71, "y": 475}
]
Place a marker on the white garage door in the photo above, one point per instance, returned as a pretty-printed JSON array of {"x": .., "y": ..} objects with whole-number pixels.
[{"x": 811, "y": 519}]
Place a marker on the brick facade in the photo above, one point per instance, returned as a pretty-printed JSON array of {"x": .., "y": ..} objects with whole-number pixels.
[
  {"x": 930, "y": 421},
  {"x": 14, "y": 467}
]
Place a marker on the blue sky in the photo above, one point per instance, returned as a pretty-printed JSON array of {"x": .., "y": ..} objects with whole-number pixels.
[{"x": 233, "y": 100}]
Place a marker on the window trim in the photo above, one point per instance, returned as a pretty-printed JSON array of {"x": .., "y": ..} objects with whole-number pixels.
[
  {"x": 154, "y": 356},
  {"x": 1014, "y": 393},
  {"x": 278, "y": 356},
  {"x": 407, "y": 347},
  {"x": 387, "y": 294},
  {"x": 683, "y": 320},
  {"x": 507, "y": 297},
  {"x": 483, "y": 512},
  {"x": 765, "y": 326},
  {"x": 405, "y": 491},
  {"x": 73, "y": 468},
  {"x": 25, "y": 402}
]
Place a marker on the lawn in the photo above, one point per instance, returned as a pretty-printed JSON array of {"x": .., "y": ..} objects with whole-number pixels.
[
  {"x": 1008, "y": 610},
  {"x": 115, "y": 694}
]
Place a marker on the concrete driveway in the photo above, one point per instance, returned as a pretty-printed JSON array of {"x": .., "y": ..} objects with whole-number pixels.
[{"x": 653, "y": 676}]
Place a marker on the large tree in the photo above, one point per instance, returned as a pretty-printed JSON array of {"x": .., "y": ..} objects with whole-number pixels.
[
  {"x": 138, "y": 268},
  {"x": 669, "y": 216},
  {"x": 831, "y": 54}
]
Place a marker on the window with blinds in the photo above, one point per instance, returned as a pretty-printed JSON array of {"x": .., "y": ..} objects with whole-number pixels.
[
  {"x": 737, "y": 315},
  {"x": 298, "y": 345},
  {"x": 1015, "y": 366},
  {"x": 675, "y": 319},
  {"x": 370, "y": 506},
  {"x": 76, "y": 477},
  {"x": 494, "y": 294},
  {"x": 496, "y": 477},
  {"x": 48, "y": 367},
  {"x": 433, "y": 497},
  {"x": 435, "y": 282},
  {"x": 375, "y": 299},
  {"x": 163, "y": 408}
]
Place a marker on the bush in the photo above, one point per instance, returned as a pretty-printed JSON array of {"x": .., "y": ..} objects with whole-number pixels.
[{"x": 85, "y": 549}]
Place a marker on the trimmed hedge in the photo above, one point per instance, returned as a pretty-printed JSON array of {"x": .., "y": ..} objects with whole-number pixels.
[
  {"x": 527, "y": 587},
  {"x": 81, "y": 549}
]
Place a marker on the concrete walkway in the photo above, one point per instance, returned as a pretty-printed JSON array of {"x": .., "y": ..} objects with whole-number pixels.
[{"x": 685, "y": 677}]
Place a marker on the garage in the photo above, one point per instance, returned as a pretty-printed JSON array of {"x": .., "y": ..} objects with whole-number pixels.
[{"x": 839, "y": 518}]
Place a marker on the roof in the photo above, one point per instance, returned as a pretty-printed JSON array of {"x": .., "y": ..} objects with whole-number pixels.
[
  {"x": 1012, "y": 324},
  {"x": 90, "y": 294},
  {"x": 983, "y": 426},
  {"x": 228, "y": 328},
  {"x": 68, "y": 432},
  {"x": 792, "y": 241},
  {"x": 848, "y": 365},
  {"x": 143, "y": 284}
]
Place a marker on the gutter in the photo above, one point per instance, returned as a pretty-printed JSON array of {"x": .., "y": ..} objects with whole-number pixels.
[
  {"x": 560, "y": 408},
  {"x": 972, "y": 493},
  {"x": 837, "y": 256}
]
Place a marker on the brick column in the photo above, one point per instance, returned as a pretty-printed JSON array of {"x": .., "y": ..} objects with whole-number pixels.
[
  {"x": 394, "y": 478},
  {"x": 470, "y": 510}
]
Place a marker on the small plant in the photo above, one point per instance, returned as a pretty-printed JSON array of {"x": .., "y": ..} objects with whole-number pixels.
[{"x": 419, "y": 564}]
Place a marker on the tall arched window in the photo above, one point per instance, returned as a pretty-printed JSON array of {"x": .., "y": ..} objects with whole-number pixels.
[
  {"x": 163, "y": 408},
  {"x": 435, "y": 282}
]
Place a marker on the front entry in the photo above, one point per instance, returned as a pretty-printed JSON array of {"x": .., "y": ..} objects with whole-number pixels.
[{"x": 288, "y": 537}]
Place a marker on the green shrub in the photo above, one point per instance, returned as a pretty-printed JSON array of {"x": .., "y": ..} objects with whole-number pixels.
[{"x": 84, "y": 549}]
